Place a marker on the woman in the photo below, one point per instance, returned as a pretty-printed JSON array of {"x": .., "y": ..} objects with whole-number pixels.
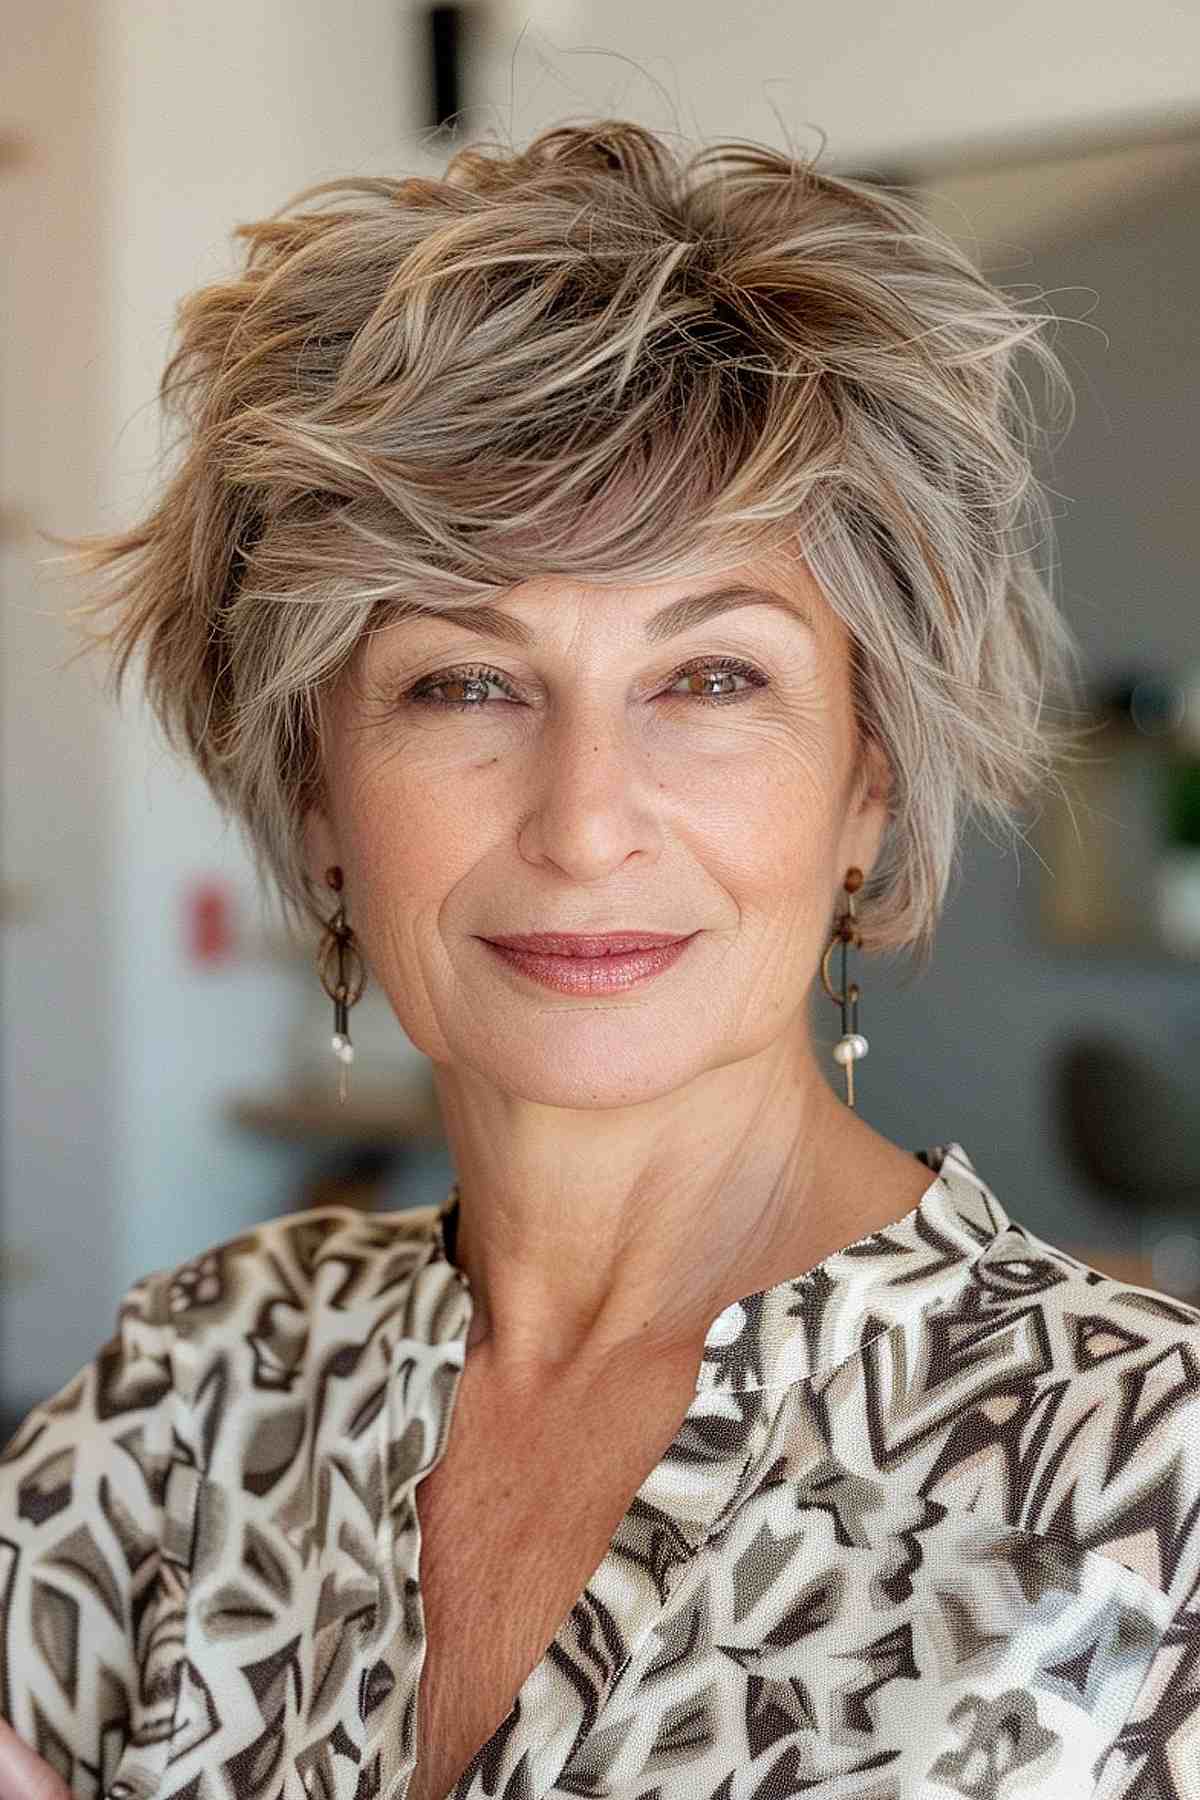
[{"x": 604, "y": 543}]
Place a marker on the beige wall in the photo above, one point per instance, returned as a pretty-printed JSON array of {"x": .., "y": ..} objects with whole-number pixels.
[
  {"x": 58, "y": 809},
  {"x": 882, "y": 81}
]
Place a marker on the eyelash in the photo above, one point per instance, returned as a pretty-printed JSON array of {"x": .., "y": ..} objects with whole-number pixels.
[{"x": 417, "y": 695}]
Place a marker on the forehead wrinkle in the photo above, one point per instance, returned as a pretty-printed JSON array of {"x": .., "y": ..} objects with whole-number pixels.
[{"x": 678, "y": 616}]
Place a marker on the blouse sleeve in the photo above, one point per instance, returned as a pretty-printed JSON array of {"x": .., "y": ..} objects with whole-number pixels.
[
  {"x": 1156, "y": 1754},
  {"x": 95, "y": 1494}
]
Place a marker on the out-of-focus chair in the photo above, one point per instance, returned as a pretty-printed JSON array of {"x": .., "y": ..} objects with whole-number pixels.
[{"x": 1129, "y": 1112}]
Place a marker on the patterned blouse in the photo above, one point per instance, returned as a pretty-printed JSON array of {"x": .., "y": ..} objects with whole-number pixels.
[{"x": 930, "y": 1528}]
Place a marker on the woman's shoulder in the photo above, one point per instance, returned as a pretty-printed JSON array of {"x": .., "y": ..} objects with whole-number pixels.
[
  {"x": 1014, "y": 1268},
  {"x": 288, "y": 1271},
  {"x": 1028, "y": 1269},
  {"x": 1092, "y": 1384},
  {"x": 218, "y": 1370},
  {"x": 1081, "y": 1323},
  {"x": 263, "y": 1290}
]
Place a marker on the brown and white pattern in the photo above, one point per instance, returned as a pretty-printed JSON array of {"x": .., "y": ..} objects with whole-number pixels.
[{"x": 931, "y": 1528}]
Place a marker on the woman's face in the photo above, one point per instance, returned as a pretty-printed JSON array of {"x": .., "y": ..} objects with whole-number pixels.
[{"x": 600, "y": 775}]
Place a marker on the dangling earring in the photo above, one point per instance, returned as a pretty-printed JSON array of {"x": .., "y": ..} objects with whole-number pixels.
[
  {"x": 851, "y": 1046},
  {"x": 339, "y": 940}
]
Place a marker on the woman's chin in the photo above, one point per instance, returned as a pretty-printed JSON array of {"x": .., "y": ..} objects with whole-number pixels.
[{"x": 608, "y": 1071}]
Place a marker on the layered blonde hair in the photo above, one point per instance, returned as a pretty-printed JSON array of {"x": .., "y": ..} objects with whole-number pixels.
[{"x": 416, "y": 393}]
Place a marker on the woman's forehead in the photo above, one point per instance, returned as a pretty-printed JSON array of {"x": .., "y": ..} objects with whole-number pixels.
[{"x": 522, "y": 613}]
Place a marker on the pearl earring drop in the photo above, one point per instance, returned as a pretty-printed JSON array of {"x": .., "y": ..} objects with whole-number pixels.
[
  {"x": 339, "y": 944},
  {"x": 852, "y": 1046}
]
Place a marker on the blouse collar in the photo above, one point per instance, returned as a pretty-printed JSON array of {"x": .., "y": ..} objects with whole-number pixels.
[{"x": 811, "y": 1322}]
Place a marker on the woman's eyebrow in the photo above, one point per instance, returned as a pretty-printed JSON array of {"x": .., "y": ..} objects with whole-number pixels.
[{"x": 669, "y": 621}]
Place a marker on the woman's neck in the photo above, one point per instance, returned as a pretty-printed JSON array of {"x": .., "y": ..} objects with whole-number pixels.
[{"x": 593, "y": 1273}]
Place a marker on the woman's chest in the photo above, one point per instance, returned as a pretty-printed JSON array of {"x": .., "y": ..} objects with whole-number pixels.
[
  {"x": 514, "y": 1520},
  {"x": 835, "y": 1623},
  {"x": 801, "y": 1650}
]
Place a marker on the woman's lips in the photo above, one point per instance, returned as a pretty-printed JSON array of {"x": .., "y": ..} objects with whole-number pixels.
[
  {"x": 608, "y": 974},
  {"x": 583, "y": 943}
]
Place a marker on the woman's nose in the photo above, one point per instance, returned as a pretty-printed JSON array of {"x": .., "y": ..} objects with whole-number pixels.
[{"x": 592, "y": 801}]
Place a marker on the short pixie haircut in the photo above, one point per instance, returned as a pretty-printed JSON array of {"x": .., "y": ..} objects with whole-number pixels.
[{"x": 417, "y": 393}]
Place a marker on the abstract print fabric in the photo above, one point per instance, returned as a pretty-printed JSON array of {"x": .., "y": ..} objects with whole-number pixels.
[{"x": 930, "y": 1530}]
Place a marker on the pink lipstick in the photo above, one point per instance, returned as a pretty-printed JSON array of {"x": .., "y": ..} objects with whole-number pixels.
[{"x": 603, "y": 964}]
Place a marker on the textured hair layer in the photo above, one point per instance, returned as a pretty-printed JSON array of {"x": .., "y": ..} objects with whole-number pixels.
[{"x": 416, "y": 393}]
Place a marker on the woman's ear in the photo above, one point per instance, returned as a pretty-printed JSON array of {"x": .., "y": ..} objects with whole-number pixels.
[
  {"x": 320, "y": 846},
  {"x": 875, "y": 778},
  {"x": 868, "y": 818}
]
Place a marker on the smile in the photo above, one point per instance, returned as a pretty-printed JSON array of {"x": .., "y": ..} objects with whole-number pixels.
[{"x": 592, "y": 974}]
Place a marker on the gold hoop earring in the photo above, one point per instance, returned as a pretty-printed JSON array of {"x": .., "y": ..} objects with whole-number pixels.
[
  {"x": 346, "y": 987},
  {"x": 852, "y": 1046}
]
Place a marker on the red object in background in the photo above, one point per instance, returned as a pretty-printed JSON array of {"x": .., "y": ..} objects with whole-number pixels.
[{"x": 209, "y": 918}]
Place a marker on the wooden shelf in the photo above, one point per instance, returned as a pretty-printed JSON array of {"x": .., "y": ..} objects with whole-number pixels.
[{"x": 403, "y": 1116}]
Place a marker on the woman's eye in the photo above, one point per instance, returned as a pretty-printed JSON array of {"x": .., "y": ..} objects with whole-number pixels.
[
  {"x": 475, "y": 681},
  {"x": 423, "y": 693},
  {"x": 722, "y": 671}
]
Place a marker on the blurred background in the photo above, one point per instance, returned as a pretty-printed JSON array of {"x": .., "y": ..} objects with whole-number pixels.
[{"x": 166, "y": 1075}]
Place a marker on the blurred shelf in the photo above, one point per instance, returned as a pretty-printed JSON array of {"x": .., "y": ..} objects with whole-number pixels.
[
  {"x": 400, "y": 1116},
  {"x": 1137, "y": 1271}
]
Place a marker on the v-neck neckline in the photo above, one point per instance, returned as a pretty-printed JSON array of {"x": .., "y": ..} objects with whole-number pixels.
[
  {"x": 754, "y": 1342},
  {"x": 755, "y": 1350}
]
